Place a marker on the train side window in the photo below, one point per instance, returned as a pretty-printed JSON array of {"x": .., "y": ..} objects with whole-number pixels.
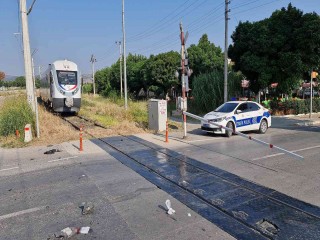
[{"x": 51, "y": 77}]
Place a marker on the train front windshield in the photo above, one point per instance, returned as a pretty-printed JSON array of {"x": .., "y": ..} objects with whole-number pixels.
[{"x": 67, "y": 77}]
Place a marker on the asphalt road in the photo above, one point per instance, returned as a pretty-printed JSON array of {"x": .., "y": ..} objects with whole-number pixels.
[{"x": 40, "y": 194}]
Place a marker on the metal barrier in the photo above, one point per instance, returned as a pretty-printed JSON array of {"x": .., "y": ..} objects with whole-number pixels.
[{"x": 245, "y": 136}]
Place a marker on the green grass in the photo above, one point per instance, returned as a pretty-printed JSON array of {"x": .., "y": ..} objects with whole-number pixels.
[
  {"x": 15, "y": 114},
  {"x": 111, "y": 112}
]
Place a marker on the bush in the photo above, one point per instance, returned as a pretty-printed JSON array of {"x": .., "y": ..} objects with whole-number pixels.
[
  {"x": 87, "y": 88},
  {"x": 294, "y": 106},
  {"x": 15, "y": 114},
  {"x": 208, "y": 91}
]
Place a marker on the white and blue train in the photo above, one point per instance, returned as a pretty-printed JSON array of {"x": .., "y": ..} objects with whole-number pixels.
[{"x": 61, "y": 86}]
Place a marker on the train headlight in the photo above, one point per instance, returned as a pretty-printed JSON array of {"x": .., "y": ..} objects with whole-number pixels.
[
  {"x": 69, "y": 102},
  {"x": 75, "y": 91}
]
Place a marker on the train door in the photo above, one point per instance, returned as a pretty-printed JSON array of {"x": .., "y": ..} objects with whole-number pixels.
[{"x": 51, "y": 86}]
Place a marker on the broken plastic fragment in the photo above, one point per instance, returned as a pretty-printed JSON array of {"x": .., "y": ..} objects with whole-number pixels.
[
  {"x": 52, "y": 151},
  {"x": 170, "y": 209},
  {"x": 189, "y": 214},
  {"x": 70, "y": 231},
  {"x": 87, "y": 207},
  {"x": 84, "y": 230}
]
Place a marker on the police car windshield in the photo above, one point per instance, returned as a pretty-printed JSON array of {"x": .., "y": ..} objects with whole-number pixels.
[{"x": 226, "y": 107}]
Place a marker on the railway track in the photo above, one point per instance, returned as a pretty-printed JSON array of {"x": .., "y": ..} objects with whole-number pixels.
[
  {"x": 89, "y": 127},
  {"x": 243, "y": 209}
]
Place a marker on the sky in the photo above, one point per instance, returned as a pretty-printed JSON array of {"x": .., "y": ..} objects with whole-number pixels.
[{"x": 76, "y": 29}]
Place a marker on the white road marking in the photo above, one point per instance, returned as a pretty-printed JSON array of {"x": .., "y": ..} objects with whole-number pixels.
[
  {"x": 15, "y": 214},
  {"x": 202, "y": 140},
  {"x": 7, "y": 169},
  {"x": 278, "y": 154},
  {"x": 61, "y": 159},
  {"x": 268, "y": 156},
  {"x": 308, "y": 148}
]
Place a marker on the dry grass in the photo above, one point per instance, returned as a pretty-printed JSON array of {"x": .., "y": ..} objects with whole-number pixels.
[
  {"x": 53, "y": 129},
  {"x": 113, "y": 115}
]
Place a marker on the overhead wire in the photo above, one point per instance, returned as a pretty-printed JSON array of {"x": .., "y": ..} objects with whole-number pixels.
[
  {"x": 169, "y": 38},
  {"x": 254, "y": 7},
  {"x": 245, "y": 4},
  {"x": 172, "y": 20},
  {"x": 195, "y": 26},
  {"x": 18, "y": 35},
  {"x": 160, "y": 21}
]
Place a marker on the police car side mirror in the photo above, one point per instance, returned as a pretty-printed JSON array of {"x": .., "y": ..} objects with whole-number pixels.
[{"x": 238, "y": 111}]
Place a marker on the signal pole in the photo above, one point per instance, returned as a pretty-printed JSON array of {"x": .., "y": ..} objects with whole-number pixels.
[
  {"x": 119, "y": 43},
  {"x": 227, "y": 10},
  {"x": 124, "y": 59},
  {"x": 182, "y": 79},
  {"x": 27, "y": 54},
  {"x": 93, "y": 60}
]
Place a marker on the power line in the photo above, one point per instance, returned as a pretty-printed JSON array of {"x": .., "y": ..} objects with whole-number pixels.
[
  {"x": 173, "y": 19},
  {"x": 172, "y": 36},
  {"x": 152, "y": 27},
  {"x": 30, "y": 9},
  {"x": 255, "y": 7},
  {"x": 244, "y": 4}
]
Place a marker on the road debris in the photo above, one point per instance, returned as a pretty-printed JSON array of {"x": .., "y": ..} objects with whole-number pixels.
[
  {"x": 170, "y": 209},
  {"x": 71, "y": 231},
  {"x": 189, "y": 214},
  {"x": 86, "y": 207},
  {"x": 52, "y": 151}
]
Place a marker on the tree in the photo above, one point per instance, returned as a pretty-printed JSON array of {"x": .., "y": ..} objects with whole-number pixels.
[
  {"x": 277, "y": 49},
  {"x": 205, "y": 57},
  {"x": 135, "y": 73},
  {"x": 208, "y": 89},
  {"x": 102, "y": 81},
  {"x": 20, "y": 82},
  {"x": 160, "y": 71},
  {"x": 2, "y": 75}
]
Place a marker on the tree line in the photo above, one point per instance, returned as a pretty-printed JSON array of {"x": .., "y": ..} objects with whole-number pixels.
[{"x": 282, "y": 49}]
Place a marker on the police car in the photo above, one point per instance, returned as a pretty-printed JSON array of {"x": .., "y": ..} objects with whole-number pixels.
[{"x": 239, "y": 116}]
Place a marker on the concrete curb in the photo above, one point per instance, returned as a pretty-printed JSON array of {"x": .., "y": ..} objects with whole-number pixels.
[{"x": 308, "y": 123}]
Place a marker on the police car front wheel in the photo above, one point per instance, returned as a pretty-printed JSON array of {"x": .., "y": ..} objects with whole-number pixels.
[
  {"x": 228, "y": 132},
  {"x": 263, "y": 127}
]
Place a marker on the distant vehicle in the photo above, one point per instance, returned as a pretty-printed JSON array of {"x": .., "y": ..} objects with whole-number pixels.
[
  {"x": 238, "y": 115},
  {"x": 60, "y": 86}
]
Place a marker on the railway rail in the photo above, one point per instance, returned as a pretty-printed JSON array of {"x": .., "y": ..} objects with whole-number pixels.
[{"x": 242, "y": 208}]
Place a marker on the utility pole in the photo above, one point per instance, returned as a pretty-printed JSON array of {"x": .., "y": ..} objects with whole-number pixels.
[
  {"x": 314, "y": 74},
  {"x": 93, "y": 60},
  {"x": 27, "y": 55},
  {"x": 124, "y": 59},
  {"x": 120, "y": 59},
  {"x": 227, "y": 2},
  {"x": 182, "y": 79},
  {"x": 36, "y": 101}
]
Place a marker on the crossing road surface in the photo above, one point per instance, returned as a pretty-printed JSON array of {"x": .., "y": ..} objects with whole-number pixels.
[{"x": 41, "y": 194}]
